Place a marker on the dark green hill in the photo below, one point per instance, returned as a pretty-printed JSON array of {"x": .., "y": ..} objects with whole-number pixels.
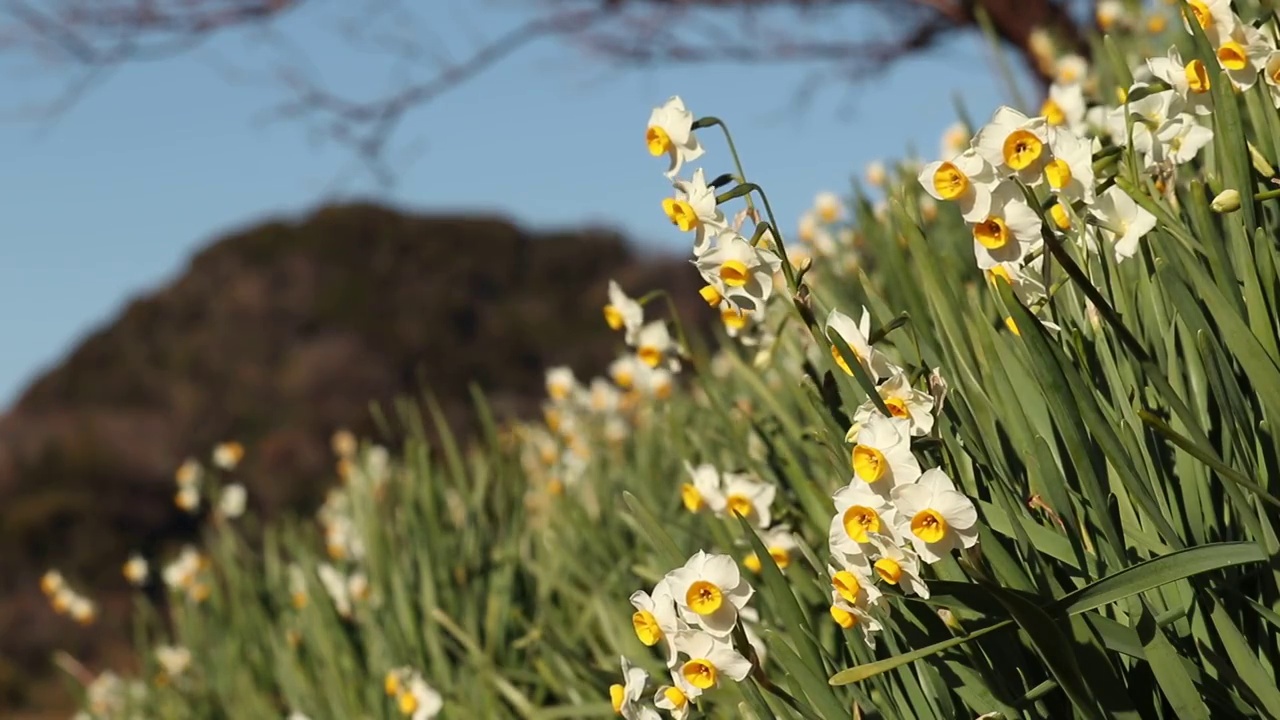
[{"x": 277, "y": 336}]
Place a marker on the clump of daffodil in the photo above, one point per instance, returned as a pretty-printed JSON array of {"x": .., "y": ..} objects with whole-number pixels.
[{"x": 414, "y": 698}]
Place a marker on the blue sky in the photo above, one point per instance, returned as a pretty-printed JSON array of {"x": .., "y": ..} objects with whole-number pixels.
[{"x": 109, "y": 201}]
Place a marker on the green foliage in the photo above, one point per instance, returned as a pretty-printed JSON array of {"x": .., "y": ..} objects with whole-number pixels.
[{"x": 1116, "y": 438}]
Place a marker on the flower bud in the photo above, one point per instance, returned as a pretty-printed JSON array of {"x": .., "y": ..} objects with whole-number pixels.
[{"x": 1227, "y": 201}]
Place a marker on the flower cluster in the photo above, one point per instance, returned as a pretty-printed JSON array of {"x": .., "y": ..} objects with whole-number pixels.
[
  {"x": 66, "y": 601},
  {"x": 191, "y": 478},
  {"x": 892, "y": 514},
  {"x": 692, "y": 614},
  {"x": 188, "y": 574},
  {"x": 414, "y": 698}
]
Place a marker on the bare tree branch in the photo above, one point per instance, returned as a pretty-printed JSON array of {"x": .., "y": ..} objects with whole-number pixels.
[{"x": 97, "y": 34}]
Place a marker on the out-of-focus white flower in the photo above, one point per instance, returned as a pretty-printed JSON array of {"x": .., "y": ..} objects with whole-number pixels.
[
  {"x": 174, "y": 659},
  {"x": 233, "y": 500},
  {"x": 623, "y": 313},
  {"x": 227, "y": 455},
  {"x": 136, "y": 570},
  {"x": 745, "y": 496}
]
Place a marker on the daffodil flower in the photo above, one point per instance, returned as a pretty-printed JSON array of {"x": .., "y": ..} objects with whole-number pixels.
[
  {"x": 174, "y": 660},
  {"x": 1191, "y": 80},
  {"x": 560, "y": 383},
  {"x": 1025, "y": 278},
  {"x": 827, "y": 205},
  {"x": 655, "y": 619},
  {"x": 935, "y": 516},
  {"x": 136, "y": 570},
  {"x": 674, "y": 700},
  {"x": 1214, "y": 17},
  {"x": 914, "y": 406},
  {"x": 626, "y": 696},
  {"x": 1179, "y": 140},
  {"x": 227, "y": 455},
  {"x": 623, "y": 313},
  {"x": 854, "y": 585},
  {"x": 1121, "y": 221},
  {"x": 898, "y": 566},
  {"x": 966, "y": 179},
  {"x": 739, "y": 272},
  {"x": 861, "y": 513},
  {"x": 1070, "y": 70},
  {"x": 744, "y": 495},
  {"x": 656, "y": 348},
  {"x": 1271, "y": 75},
  {"x": 955, "y": 139},
  {"x": 602, "y": 397},
  {"x": 670, "y": 133},
  {"x": 232, "y": 501},
  {"x": 694, "y": 209},
  {"x": 1064, "y": 108},
  {"x": 882, "y": 454},
  {"x": 418, "y": 700},
  {"x": 710, "y": 660},
  {"x": 850, "y": 615},
  {"x": 1070, "y": 171},
  {"x": 1015, "y": 145},
  {"x": 702, "y": 490},
  {"x": 856, "y": 337},
  {"x": 709, "y": 591},
  {"x": 780, "y": 542},
  {"x": 1009, "y": 232},
  {"x": 1242, "y": 54}
]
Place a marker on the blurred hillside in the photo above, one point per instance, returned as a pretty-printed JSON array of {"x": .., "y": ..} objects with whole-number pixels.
[{"x": 275, "y": 337}]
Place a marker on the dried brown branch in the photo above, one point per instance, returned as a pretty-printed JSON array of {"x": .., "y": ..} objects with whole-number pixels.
[{"x": 613, "y": 33}]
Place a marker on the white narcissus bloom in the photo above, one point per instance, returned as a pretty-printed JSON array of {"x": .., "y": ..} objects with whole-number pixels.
[
  {"x": 1071, "y": 70},
  {"x": 174, "y": 660},
  {"x": 1009, "y": 232},
  {"x": 849, "y": 615},
  {"x": 738, "y": 272},
  {"x": 51, "y": 582},
  {"x": 1070, "y": 172},
  {"x": 1064, "y": 108},
  {"x": 702, "y": 491},
  {"x": 694, "y": 208},
  {"x": 966, "y": 179},
  {"x": 1151, "y": 112},
  {"x": 227, "y": 455},
  {"x": 780, "y": 542},
  {"x": 1025, "y": 279},
  {"x": 1015, "y": 145},
  {"x": 1271, "y": 74},
  {"x": 655, "y": 618},
  {"x": 187, "y": 498},
  {"x": 623, "y": 371},
  {"x": 1190, "y": 80},
  {"x": 670, "y": 133},
  {"x": 827, "y": 207},
  {"x": 419, "y": 700},
  {"x": 136, "y": 570},
  {"x": 602, "y": 397},
  {"x": 1180, "y": 139},
  {"x": 882, "y": 455},
  {"x": 623, "y": 313},
  {"x": 806, "y": 227},
  {"x": 626, "y": 696},
  {"x": 658, "y": 382},
  {"x": 876, "y": 174},
  {"x": 744, "y": 495},
  {"x": 954, "y": 140},
  {"x": 1108, "y": 13},
  {"x": 655, "y": 347},
  {"x": 710, "y": 659},
  {"x": 188, "y": 473},
  {"x": 232, "y": 501},
  {"x": 336, "y": 585},
  {"x": 1243, "y": 53},
  {"x": 1121, "y": 221},
  {"x": 1214, "y": 16},
  {"x": 674, "y": 700},
  {"x": 935, "y": 516},
  {"x": 853, "y": 584},
  {"x": 861, "y": 513},
  {"x": 709, "y": 591},
  {"x": 295, "y": 715},
  {"x": 560, "y": 383},
  {"x": 856, "y": 337},
  {"x": 898, "y": 566},
  {"x": 914, "y": 406}
]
